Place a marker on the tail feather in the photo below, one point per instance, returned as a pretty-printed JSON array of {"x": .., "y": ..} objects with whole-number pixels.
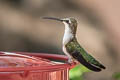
[
  {"x": 96, "y": 63},
  {"x": 101, "y": 66},
  {"x": 81, "y": 59}
]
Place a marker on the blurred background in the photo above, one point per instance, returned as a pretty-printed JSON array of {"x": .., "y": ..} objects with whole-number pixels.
[{"x": 22, "y": 29}]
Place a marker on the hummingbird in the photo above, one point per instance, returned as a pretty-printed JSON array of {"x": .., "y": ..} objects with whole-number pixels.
[{"x": 73, "y": 49}]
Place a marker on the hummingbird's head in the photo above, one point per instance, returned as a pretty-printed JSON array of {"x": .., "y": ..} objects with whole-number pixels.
[{"x": 70, "y": 23}]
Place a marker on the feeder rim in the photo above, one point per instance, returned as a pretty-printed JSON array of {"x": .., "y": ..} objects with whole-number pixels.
[{"x": 42, "y": 68}]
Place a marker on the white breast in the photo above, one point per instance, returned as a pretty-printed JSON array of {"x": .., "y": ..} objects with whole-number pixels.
[{"x": 67, "y": 35}]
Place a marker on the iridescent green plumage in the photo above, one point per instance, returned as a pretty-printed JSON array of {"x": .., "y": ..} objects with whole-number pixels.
[{"x": 74, "y": 47}]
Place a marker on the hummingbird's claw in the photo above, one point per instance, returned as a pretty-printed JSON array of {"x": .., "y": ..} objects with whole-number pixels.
[{"x": 70, "y": 60}]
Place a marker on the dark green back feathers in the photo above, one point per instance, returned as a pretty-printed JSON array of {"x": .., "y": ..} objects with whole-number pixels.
[{"x": 74, "y": 48}]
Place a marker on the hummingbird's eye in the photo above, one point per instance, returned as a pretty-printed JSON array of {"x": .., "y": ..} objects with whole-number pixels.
[{"x": 67, "y": 21}]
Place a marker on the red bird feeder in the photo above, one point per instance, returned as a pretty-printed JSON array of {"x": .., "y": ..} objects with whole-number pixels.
[{"x": 33, "y": 66}]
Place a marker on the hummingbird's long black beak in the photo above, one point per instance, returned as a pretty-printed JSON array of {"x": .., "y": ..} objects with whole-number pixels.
[{"x": 52, "y": 18}]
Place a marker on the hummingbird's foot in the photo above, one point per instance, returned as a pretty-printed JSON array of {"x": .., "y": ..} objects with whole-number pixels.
[{"x": 70, "y": 60}]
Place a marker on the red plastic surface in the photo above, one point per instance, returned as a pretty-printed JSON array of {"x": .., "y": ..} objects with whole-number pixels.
[{"x": 32, "y": 66}]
